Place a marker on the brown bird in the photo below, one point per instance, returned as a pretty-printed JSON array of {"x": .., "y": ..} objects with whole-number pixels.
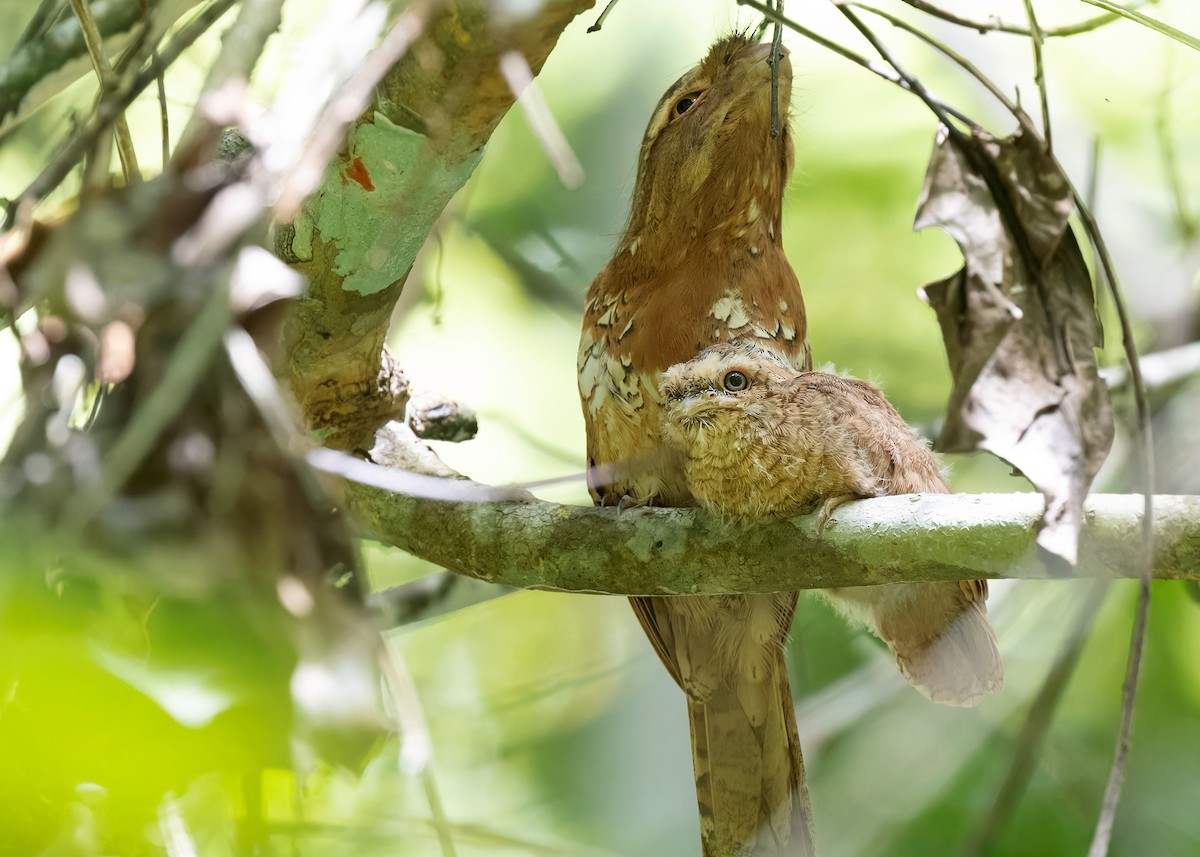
[
  {"x": 701, "y": 262},
  {"x": 759, "y": 440}
]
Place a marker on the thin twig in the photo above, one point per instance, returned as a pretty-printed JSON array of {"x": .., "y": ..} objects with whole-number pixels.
[
  {"x": 986, "y": 168},
  {"x": 1036, "y": 37},
  {"x": 776, "y": 55},
  {"x": 82, "y": 139},
  {"x": 429, "y": 486},
  {"x": 1163, "y": 372},
  {"x": 141, "y": 46},
  {"x": 1146, "y": 21},
  {"x": 1028, "y": 745},
  {"x": 416, "y": 746},
  {"x": 1112, "y": 790},
  {"x": 261, "y": 386},
  {"x": 595, "y": 28},
  {"x": 1015, "y": 109},
  {"x": 983, "y": 166},
  {"x": 164, "y": 123},
  {"x": 161, "y": 81},
  {"x": 997, "y": 26},
  {"x": 95, "y": 48},
  {"x": 94, "y": 178},
  {"x": 528, "y": 94},
  {"x": 870, "y": 65},
  {"x": 436, "y": 594},
  {"x": 910, "y": 82},
  {"x": 1116, "y": 777}
]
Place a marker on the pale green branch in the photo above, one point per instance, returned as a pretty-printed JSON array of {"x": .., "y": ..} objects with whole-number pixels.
[
  {"x": 684, "y": 551},
  {"x": 1146, "y": 21}
]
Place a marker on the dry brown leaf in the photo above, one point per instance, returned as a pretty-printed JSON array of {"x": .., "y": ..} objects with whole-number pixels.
[{"x": 1019, "y": 322}]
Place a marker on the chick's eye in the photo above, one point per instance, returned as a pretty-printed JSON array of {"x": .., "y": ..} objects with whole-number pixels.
[
  {"x": 735, "y": 382},
  {"x": 683, "y": 105}
]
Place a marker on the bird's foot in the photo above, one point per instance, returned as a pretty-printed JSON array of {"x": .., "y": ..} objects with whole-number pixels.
[
  {"x": 828, "y": 508},
  {"x": 624, "y": 501}
]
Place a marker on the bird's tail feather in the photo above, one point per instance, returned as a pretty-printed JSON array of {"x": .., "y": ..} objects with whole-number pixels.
[
  {"x": 750, "y": 783},
  {"x": 938, "y": 633}
]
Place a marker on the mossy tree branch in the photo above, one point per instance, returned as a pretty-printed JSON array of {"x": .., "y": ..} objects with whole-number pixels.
[
  {"x": 404, "y": 159},
  {"x": 684, "y": 551},
  {"x": 508, "y": 537}
]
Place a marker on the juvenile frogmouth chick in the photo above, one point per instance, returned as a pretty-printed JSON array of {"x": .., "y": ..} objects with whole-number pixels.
[{"x": 758, "y": 439}]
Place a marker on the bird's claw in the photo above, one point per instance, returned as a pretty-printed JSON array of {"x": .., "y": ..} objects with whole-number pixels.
[
  {"x": 828, "y": 508},
  {"x": 624, "y": 501}
]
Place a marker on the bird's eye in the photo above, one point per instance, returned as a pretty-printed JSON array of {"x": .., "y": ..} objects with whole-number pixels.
[
  {"x": 684, "y": 104},
  {"x": 735, "y": 382}
]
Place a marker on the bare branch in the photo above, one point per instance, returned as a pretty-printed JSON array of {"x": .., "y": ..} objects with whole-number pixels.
[
  {"x": 42, "y": 18},
  {"x": 970, "y": 68},
  {"x": 541, "y": 121},
  {"x": 870, "y": 65},
  {"x": 1146, "y": 561},
  {"x": 433, "y": 595},
  {"x": 1146, "y": 21},
  {"x": 595, "y": 28},
  {"x": 95, "y": 49},
  {"x": 1037, "y": 36},
  {"x": 163, "y": 120},
  {"x": 998, "y": 26},
  {"x": 1163, "y": 372}
]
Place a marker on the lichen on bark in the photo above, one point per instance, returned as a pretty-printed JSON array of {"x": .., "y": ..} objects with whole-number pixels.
[{"x": 403, "y": 161}]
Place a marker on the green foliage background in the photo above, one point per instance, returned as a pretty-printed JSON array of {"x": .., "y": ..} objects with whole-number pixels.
[{"x": 554, "y": 728}]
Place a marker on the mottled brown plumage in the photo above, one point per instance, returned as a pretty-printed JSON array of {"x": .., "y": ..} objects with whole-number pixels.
[
  {"x": 757, "y": 439},
  {"x": 701, "y": 262}
]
